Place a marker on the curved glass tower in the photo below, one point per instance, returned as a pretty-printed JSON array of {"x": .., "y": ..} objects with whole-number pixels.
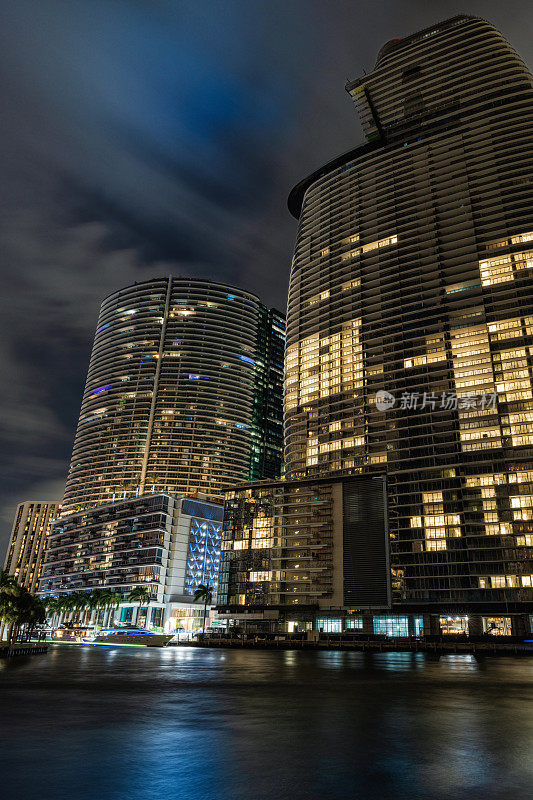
[
  {"x": 178, "y": 371},
  {"x": 413, "y": 276}
]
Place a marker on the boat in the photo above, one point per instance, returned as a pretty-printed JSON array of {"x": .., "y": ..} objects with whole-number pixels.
[
  {"x": 72, "y": 633},
  {"x": 129, "y": 636}
]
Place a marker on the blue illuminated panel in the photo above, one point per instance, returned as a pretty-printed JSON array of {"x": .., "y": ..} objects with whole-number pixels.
[{"x": 203, "y": 554}]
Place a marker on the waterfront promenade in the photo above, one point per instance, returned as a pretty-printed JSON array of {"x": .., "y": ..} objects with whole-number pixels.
[{"x": 486, "y": 646}]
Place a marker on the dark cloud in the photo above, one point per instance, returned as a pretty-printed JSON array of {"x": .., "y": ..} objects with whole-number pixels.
[{"x": 140, "y": 138}]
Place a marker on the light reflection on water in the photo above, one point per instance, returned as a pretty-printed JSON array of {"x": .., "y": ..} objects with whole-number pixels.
[{"x": 113, "y": 723}]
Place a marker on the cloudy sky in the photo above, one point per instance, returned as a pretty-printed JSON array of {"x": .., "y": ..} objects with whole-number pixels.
[{"x": 142, "y": 137}]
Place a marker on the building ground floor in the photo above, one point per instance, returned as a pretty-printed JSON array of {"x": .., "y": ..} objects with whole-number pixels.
[
  {"x": 394, "y": 623},
  {"x": 186, "y": 619}
]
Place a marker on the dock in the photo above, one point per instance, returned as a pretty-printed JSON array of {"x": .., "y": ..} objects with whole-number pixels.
[{"x": 22, "y": 649}]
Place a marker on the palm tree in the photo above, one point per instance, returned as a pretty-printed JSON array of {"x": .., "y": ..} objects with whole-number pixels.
[
  {"x": 64, "y": 604},
  {"x": 80, "y": 602},
  {"x": 204, "y": 593},
  {"x": 32, "y": 612},
  {"x": 21, "y": 608},
  {"x": 74, "y": 602},
  {"x": 110, "y": 599},
  {"x": 8, "y": 614},
  {"x": 8, "y": 611},
  {"x": 8, "y": 587},
  {"x": 8, "y": 583},
  {"x": 141, "y": 594},
  {"x": 53, "y": 605},
  {"x": 95, "y": 602}
]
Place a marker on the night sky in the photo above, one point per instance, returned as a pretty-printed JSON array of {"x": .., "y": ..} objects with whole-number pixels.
[{"x": 142, "y": 138}]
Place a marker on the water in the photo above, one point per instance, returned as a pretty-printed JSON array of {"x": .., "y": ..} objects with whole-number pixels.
[{"x": 136, "y": 724}]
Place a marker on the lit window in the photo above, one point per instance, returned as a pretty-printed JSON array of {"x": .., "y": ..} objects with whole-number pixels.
[
  {"x": 354, "y": 623},
  {"x": 454, "y": 625},
  {"x": 435, "y": 544},
  {"x": 351, "y": 239},
  {"x": 497, "y": 626},
  {"x": 329, "y": 624},
  {"x": 391, "y": 626},
  {"x": 379, "y": 243},
  {"x": 351, "y": 284},
  {"x": 431, "y": 497},
  {"x": 260, "y": 577},
  {"x": 240, "y": 544}
]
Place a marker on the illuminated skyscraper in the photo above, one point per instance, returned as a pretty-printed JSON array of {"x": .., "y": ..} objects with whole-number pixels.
[
  {"x": 267, "y": 426},
  {"x": 413, "y": 275},
  {"x": 178, "y": 371},
  {"x": 25, "y": 552}
]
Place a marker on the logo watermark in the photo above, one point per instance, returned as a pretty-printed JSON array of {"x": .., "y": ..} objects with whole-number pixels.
[
  {"x": 448, "y": 401},
  {"x": 384, "y": 400}
]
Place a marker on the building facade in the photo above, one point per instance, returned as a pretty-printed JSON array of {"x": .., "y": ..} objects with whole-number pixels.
[
  {"x": 31, "y": 527},
  {"x": 179, "y": 371},
  {"x": 170, "y": 544},
  {"x": 289, "y": 551},
  {"x": 410, "y": 321},
  {"x": 267, "y": 425}
]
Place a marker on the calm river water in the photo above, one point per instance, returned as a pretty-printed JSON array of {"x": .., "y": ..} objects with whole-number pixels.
[{"x": 194, "y": 724}]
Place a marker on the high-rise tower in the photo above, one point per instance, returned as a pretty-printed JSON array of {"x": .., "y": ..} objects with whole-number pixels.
[
  {"x": 413, "y": 275},
  {"x": 267, "y": 427},
  {"x": 26, "y": 548},
  {"x": 178, "y": 370}
]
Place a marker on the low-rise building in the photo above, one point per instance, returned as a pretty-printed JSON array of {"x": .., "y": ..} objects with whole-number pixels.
[
  {"x": 316, "y": 554},
  {"x": 168, "y": 543},
  {"x": 299, "y": 551}
]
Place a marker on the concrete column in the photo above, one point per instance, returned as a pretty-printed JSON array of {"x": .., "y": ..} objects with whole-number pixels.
[
  {"x": 368, "y": 623},
  {"x": 520, "y": 625},
  {"x": 475, "y": 625},
  {"x": 431, "y": 625}
]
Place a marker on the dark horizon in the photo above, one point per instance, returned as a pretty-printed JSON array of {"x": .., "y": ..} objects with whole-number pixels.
[{"x": 141, "y": 142}]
